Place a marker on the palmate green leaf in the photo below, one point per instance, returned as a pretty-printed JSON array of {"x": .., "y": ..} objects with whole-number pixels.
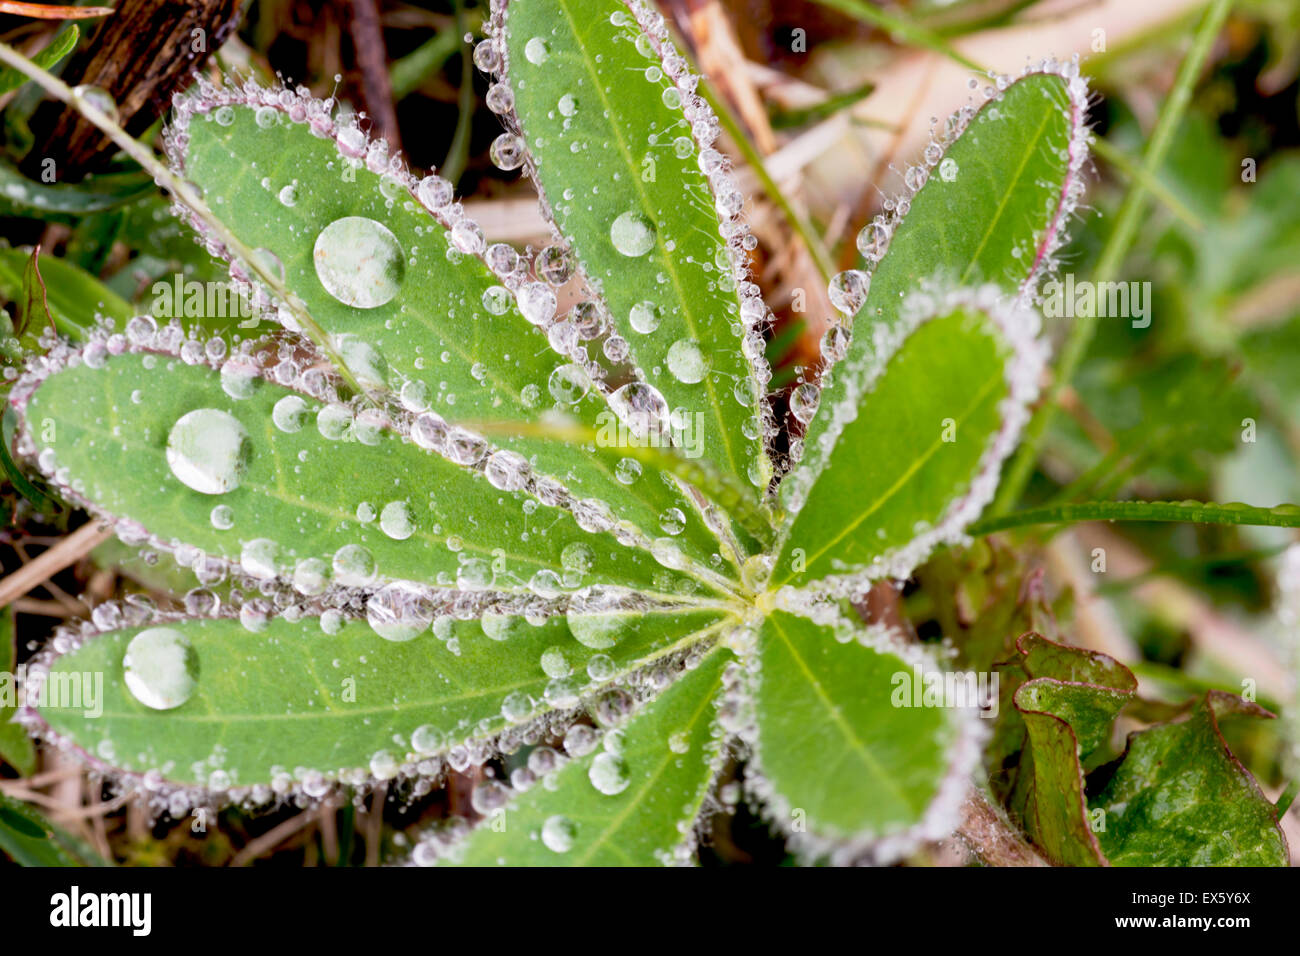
[
  {"x": 919, "y": 445},
  {"x": 623, "y": 175},
  {"x": 663, "y": 767},
  {"x": 294, "y": 695},
  {"x": 1180, "y": 797},
  {"x": 997, "y": 193},
  {"x": 434, "y": 324},
  {"x": 296, "y": 495},
  {"x": 844, "y": 747},
  {"x": 16, "y": 748}
]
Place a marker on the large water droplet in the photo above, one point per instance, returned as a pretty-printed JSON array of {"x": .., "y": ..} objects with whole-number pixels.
[
  {"x": 289, "y": 413},
  {"x": 359, "y": 262},
  {"x": 208, "y": 450},
  {"x": 161, "y": 668},
  {"x": 632, "y": 234}
]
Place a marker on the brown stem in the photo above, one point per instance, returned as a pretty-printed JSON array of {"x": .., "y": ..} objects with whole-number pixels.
[{"x": 140, "y": 56}]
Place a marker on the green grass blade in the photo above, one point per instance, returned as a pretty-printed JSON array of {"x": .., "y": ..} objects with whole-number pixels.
[{"x": 1193, "y": 512}]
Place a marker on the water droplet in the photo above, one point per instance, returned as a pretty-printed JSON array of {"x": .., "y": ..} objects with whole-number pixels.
[
  {"x": 161, "y": 668},
  {"x": 632, "y": 234},
  {"x": 310, "y": 576},
  {"x": 354, "y": 566},
  {"x": 334, "y": 421},
  {"x": 397, "y": 521},
  {"x": 628, "y": 470},
  {"x": 641, "y": 407},
  {"x": 507, "y": 151},
  {"x": 435, "y": 193},
  {"x": 568, "y": 384},
  {"x": 645, "y": 317},
  {"x": 260, "y": 558},
  {"x": 848, "y": 291},
  {"x": 288, "y": 195},
  {"x": 496, "y": 299},
  {"x": 536, "y": 51},
  {"x": 208, "y": 450},
  {"x": 502, "y": 627},
  {"x": 289, "y": 413},
  {"x": 686, "y": 362},
  {"x": 399, "y": 611},
  {"x": 537, "y": 302},
  {"x": 804, "y": 400},
  {"x": 567, "y": 105},
  {"x": 609, "y": 774},
  {"x": 559, "y": 833},
  {"x": 948, "y": 169},
  {"x": 97, "y": 98},
  {"x": 359, "y": 262},
  {"x": 595, "y": 619},
  {"x": 222, "y": 517},
  {"x": 672, "y": 521},
  {"x": 555, "y": 265}
]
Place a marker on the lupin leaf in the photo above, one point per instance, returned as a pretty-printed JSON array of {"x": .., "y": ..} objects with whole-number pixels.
[
  {"x": 294, "y": 695},
  {"x": 450, "y": 336},
  {"x": 663, "y": 766},
  {"x": 919, "y": 456},
  {"x": 622, "y": 172},
  {"x": 1181, "y": 798},
  {"x": 419, "y": 516},
  {"x": 849, "y": 752},
  {"x": 993, "y": 209},
  {"x": 52, "y": 53}
]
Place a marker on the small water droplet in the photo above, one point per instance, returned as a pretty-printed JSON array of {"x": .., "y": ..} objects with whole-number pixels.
[
  {"x": 559, "y": 833},
  {"x": 609, "y": 774}
]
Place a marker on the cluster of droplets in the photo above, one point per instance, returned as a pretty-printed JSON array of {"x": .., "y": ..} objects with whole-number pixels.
[
  {"x": 609, "y": 767},
  {"x": 848, "y": 290},
  {"x": 633, "y": 236}
]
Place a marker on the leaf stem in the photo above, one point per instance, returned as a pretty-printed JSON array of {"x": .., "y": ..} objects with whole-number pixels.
[
  {"x": 184, "y": 193},
  {"x": 1117, "y": 247},
  {"x": 1201, "y": 512}
]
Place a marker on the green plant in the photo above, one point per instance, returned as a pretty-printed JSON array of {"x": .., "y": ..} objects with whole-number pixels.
[{"x": 458, "y": 526}]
